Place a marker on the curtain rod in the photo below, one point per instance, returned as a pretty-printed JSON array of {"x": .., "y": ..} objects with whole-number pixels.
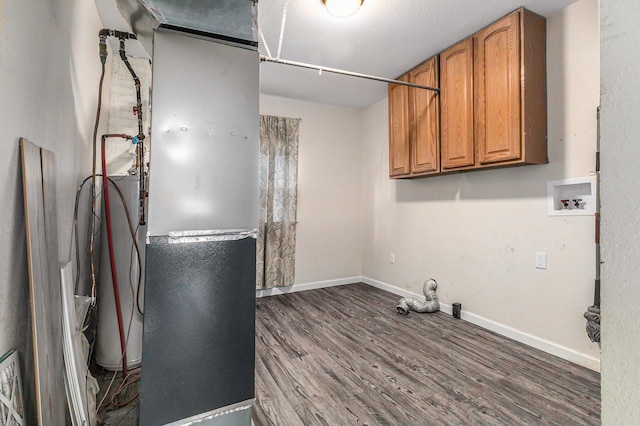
[{"x": 349, "y": 73}]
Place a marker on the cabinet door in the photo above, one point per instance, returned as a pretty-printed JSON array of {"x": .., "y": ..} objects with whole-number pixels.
[
  {"x": 456, "y": 92},
  {"x": 399, "y": 161},
  {"x": 425, "y": 119},
  {"x": 497, "y": 85}
]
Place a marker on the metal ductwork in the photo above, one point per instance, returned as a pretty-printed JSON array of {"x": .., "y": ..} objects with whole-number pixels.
[{"x": 229, "y": 21}]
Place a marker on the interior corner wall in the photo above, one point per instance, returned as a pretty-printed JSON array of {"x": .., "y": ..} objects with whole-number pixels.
[
  {"x": 329, "y": 230},
  {"x": 476, "y": 233},
  {"x": 620, "y": 151},
  {"x": 49, "y": 70}
]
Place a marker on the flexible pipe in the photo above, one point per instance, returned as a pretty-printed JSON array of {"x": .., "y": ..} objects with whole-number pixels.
[
  {"x": 593, "y": 323},
  {"x": 593, "y": 312},
  {"x": 136, "y": 81},
  {"x": 431, "y": 304},
  {"x": 140, "y": 136},
  {"x": 114, "y": 275}
]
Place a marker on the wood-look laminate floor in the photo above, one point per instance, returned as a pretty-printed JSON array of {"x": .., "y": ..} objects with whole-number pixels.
[{"x": 342, "y": 356}]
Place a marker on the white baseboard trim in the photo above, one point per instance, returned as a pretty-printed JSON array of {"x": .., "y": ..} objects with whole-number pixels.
[
  {"x": 306, "y": 286},
  {"x": 519, "y": 336}
]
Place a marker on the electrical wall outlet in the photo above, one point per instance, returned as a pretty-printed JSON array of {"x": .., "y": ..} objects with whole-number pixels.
[
  {"x": 392, "y": 258},
  {"x": 541, "y": 260}
]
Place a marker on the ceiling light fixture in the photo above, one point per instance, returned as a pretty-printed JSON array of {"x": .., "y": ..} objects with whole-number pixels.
[{"x": 342, "y": 8}]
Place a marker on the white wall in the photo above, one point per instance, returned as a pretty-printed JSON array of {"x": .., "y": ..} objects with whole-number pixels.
[
  {"x": 620, "y": 150},
  {"x": 476, "y": 233},
  {"x": 329, "y": 232},
  {"x": 49, "y": 70}
]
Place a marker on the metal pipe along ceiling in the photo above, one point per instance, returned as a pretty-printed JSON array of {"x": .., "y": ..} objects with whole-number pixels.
[{"x": 343, "y": 72}]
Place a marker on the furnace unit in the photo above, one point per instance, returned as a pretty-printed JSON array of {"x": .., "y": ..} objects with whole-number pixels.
[{"x": 199, "y": 311}]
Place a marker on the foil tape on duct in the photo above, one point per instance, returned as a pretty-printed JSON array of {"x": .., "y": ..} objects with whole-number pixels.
[
  {"x": 213, "y": 235},
  {"x": 431, "y": 304},
  {"x": 181, "y": 237},
  {"x": 234, "y": 414}
]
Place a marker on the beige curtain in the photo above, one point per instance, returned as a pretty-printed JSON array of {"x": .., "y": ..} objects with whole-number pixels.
[{"x": 278, "y": 200}]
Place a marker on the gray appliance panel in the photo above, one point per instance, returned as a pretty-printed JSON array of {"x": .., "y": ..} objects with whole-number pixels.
[
  {"x": 204, "y": 157},
  {"x": 199, "y": 328}
]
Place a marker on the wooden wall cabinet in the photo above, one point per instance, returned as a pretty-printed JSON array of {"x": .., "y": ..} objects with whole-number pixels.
[
  {"x": 414, "y": 123},
  {"x": 497, "y": 91},
  {"x": 508, "y": 96},
  {"x": 456, "y": 89},
  {"x": 511, "y": 90},
  {"x": 493, "y": 102},
  {"x": 399, "y": 153},
  {"x": 424, "y": 135}
]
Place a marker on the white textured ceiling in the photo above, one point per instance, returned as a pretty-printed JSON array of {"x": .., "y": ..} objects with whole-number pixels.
[{"x": 384, "y": 38}]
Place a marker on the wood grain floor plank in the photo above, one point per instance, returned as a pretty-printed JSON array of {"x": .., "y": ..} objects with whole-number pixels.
[
  {"x": 272, "y": 408},
  {"x": 342, "y": 355},
  {"x": 476, "y": 361}
]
